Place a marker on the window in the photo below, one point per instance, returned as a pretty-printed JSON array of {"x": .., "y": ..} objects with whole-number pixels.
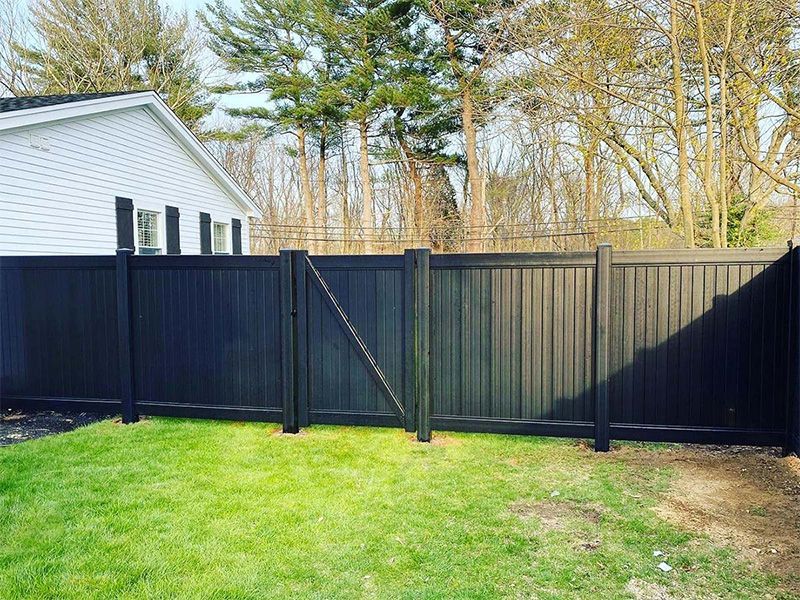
[
  {"x": 147, "y": 226},
  {"x": 220, "y": 238}
]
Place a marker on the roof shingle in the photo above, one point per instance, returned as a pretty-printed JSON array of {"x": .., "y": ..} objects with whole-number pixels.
[{"x": 25, "y": 102}]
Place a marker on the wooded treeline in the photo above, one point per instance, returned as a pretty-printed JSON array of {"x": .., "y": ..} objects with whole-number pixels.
[{"x": 480, "y": 125}]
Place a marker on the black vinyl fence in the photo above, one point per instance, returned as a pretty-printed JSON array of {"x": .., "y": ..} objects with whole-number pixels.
[{"x": 680, "y": 345}]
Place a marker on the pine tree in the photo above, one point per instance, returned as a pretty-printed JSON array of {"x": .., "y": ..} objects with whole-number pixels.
[
  {"x": 112, "y": 45},
  {"x": 273, "y": 41},
  {"x": 362, "y": 37},
  {"x": 469, "y": 36}
]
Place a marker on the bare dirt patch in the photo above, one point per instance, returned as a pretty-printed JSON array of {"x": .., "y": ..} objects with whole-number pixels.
[
  {"x": 141, "y": 420},
  {"x": 793, "y": 464},
  {"x": 278, "y": 432},
  {"x": 643, "y": 590},
  {"x": 554, "y": 515},
  {"x": 746, "y": 498},
  {"x": 439, "y": 439},
  {"x": 589, "y": 545},
  {"x": 646, "y": 590}
]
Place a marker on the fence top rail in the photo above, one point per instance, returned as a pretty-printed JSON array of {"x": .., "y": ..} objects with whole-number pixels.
[
  {"x": 396, "y": 261},
  {"x": 698, "y": 256},
  {"x": 57, "y": 262},
  {"x": 511, "y": 259},
  {"x": 357, "y": 261},
  {"x": 204, "y": 261}
]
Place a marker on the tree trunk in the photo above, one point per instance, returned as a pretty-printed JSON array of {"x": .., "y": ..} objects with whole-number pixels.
[
  {"x": 345, "y": 201},
  {"x": 723, "y": 127},
  {"x": 680, "y": 129},
  {"x": 322, "y": 183},
  {"x": 423, "y": 239},
  {"x": 590, "y": 187},
  {"x": 305, "y": 187},
  {"x": 570, "y": 216},
  {"x": 477, "y": 217},
  {"x": 708, "y": 154},
  {"x": 420, "y": 234},
  {"x": 367, "y": 213},
  {"x": 554, "y": 216},
  {"x": 723, "y": 157}
]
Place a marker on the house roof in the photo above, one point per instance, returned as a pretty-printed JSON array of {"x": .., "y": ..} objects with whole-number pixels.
[
  {"x": 26, "y": 102},
  {"x": 30, "y": 111}
]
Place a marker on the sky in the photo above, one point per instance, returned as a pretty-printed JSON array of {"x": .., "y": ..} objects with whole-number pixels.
[{"x": 226, "y": 101}]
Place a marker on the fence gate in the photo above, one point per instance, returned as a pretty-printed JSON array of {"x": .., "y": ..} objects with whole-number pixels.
[{"x": 351, "y": 344}]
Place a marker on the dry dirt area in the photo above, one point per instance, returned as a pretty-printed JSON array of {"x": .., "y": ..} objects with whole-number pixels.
[
  {"x": 555, "y": 515},
  {"x": 746, "y": 498}
]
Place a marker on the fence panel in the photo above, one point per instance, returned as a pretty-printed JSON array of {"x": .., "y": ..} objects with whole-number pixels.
[
  {"x": 699, "y": 343},
  {"x": 370, "y": 291},
  {"x": 58, "y": 330},
  {"x": 511, "y": 342},
  {"x": 206, "y": 336}
]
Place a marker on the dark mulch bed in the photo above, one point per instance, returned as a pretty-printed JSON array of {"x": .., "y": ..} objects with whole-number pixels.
[{"x": 16, "y": 426}]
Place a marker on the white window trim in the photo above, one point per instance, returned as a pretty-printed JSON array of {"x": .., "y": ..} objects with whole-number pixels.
[
  {"x": 228, "y": 240},
  {"x": 161, "y": 211}
]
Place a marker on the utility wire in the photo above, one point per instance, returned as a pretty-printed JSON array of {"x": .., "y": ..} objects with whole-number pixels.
[
  {"x": 444, "y": 226},
  {"x": 390, "y": 240}
]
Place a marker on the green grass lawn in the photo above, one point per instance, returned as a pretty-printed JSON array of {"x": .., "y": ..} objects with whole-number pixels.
[{"x": 174, "y": 508}]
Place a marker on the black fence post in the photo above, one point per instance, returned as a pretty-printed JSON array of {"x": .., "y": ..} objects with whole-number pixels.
[
  {"x": 288, "y": 312},
  {"x": 422, "y": 388},
  {"x": 126, "y": 390},
  {"x": 302, "y": 383},
  {"x": 409, "y": 339},
  {"x": 602, "y": 321},
  {"x": 792, "y": 443}
]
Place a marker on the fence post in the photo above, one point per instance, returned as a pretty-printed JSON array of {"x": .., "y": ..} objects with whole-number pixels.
[
  {"x": 301, "y": 336},
  {"x": 422, "y": 388},
  {"x": 288, "y": 347},
  {"x": 792, "y": 443},
  {"x": 129, "y": 413},
  {"x": 409, "y": 338},
  {"x": 602, "y": 320}
]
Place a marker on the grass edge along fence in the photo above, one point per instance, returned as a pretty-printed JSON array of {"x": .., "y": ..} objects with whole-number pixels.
[{"x": 679, "y": 345}]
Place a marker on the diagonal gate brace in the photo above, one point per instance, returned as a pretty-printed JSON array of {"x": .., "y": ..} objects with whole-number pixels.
[{"x": 358, "y": 344}]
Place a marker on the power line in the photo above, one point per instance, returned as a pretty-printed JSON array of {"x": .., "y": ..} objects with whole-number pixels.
[
  {"x": 435, "y": 226},
  {"x": 451, "y": 239}
]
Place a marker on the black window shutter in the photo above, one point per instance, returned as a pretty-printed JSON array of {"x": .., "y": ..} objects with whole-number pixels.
[
  {"x": 125, "y": 223},
  {"x": 205, "y": 233},
  {"x": 173, "y": 230},
  {"x": 236, "y": 235}
]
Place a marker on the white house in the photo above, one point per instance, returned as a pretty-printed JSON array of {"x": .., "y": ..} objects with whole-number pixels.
[{"x": 90, "y": 173}]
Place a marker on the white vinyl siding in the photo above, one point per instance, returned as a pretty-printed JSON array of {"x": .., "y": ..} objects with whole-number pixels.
[{"x": 62, "y": 200}]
